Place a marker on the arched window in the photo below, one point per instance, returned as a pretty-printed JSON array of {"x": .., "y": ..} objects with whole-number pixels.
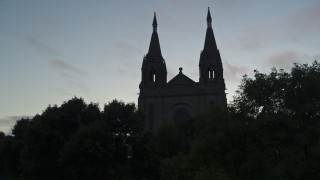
[
  {"x": 152, "y": 76},
  {"x": 151, "y": 117},
  {"x": 211, "y": 72}
]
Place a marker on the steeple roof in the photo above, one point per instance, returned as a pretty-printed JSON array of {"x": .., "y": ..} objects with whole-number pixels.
[
  {"x": 209, "y": 15},
  {"x": 154, "y": 23},
  {"x": 154, "y": 48},
  {"x": 210, "y": 42}
]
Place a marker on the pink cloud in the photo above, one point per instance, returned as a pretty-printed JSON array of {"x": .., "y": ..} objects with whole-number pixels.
[
  {"x": 302, "y": 25},
  {"x": 305, "y": 20},
  {"x": 283, "y": 59},
  {"x": 234, "y": 72},
  {"x": 254, "y": 40}
]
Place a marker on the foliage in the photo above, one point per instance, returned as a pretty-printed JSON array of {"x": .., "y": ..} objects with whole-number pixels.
[
  {"x": 104, "y": 149},
  {"x": 295, "y": 93},
  {"x": 47, "y": 134},
  {"x": 72, "y": 141},
  {"x": 270, "y": 131},
  {"x": 89, "y": 153}
]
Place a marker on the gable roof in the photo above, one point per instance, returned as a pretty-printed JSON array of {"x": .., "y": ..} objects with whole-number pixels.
[{"x": 181, "y": 79}]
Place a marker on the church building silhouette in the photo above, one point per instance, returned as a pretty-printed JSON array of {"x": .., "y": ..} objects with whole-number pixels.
[{"x": 181, "y": 98}]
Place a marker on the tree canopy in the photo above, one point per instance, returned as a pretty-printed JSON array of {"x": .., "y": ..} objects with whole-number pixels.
[{"x": 271, "y": 130}]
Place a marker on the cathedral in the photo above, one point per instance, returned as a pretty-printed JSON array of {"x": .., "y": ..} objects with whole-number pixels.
[{"x": 181, "y": 98}]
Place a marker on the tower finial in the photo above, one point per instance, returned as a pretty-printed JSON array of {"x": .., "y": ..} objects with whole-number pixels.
[
  {"x": 155, "y": 24},
  {"x": 210, "y": 42},
  {"x": 209, "y": 20},
  {"x": 154, "y": 48}
]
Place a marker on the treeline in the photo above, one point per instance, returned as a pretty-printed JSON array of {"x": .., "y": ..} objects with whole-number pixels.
[{"x": 270, "y": 131}]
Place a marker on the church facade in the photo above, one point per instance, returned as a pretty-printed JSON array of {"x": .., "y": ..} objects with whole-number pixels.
[{"x": 181, "y": 98}]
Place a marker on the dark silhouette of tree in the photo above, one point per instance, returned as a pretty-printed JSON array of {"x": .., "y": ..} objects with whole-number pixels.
[
  {"x": 90, "y": 153},
  {"x": 169, "y": 141},
  {"x": 295, "y": 93},
  {"x": 47, "y": 134},
  {"x": 270, "y": 131},
  {"x": 9, "y": 156},
  {"x": 20, "y": 128},
  {"x": 105, "y": 149}
]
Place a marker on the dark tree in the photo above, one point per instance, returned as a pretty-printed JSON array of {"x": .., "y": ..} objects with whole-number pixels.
[
  {"x": 295, "y": 94},
  {"x": 90, "y": 153},
  {"x": 270, "y": 131},
  {"x": 46, "y": 135},
  {"x": 107, "y": 148}
]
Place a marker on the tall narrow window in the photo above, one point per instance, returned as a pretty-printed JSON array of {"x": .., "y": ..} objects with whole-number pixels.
[
  {"x": 211, "y": 72},
  {"x": 152, "y": 76},
  {"x": 151, "y": 117}
]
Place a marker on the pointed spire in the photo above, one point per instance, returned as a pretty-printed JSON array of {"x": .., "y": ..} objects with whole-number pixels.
[
  {"x": 209, "y": 20},
  {"x": 154, "y": 23},
  {"x": 154, "y": 48},
  {"x": 210, "y": 42}
]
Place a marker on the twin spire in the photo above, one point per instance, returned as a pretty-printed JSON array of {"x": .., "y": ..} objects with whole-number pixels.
[
  {"x": 210, "y": 42},
  {"x": 154, "y": 48}
]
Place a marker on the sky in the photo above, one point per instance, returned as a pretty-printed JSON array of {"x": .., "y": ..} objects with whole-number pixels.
[{"x": 54, "y": 50}]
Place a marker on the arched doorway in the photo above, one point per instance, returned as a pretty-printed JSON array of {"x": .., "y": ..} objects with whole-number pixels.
[{"x": 181, "y": 115}]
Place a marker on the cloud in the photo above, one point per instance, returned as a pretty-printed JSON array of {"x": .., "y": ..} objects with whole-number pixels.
[
  {"x": 286, "y": 59},
  {"x": 254, "y": 40},
  {"x": 302, "y": 25},
  {"x": 72, "y": 75},
  {"x": 7, "y": 123},
  {"x": 234, "y": 72},
  {"x": 125, "y": 53},
  {"x": 126, "y": 50},
  {"x": 304, "y": 20},
  {"x": 66, "y": 67},
  {"x": 39, "y": 45},
  {"x": 232, "y": 3},
  {"x": 283, "y": 59}
]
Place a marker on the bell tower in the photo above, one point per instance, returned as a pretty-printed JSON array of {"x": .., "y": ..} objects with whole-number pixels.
[
  {"x": 154, "y": 79},
  {"x": 154, "y": 71},
  {"x": 210, "y": 65}
]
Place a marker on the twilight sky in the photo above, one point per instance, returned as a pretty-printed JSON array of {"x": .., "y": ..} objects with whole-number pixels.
[{"x": 53, "y": 50}]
